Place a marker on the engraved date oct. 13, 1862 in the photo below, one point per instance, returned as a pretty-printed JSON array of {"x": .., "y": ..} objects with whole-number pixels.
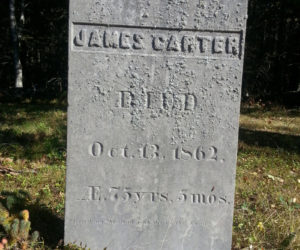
[{"x": 149, "y": 151}]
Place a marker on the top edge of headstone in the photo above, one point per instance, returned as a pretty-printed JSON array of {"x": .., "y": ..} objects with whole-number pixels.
[{"x": 221, "y": 15}]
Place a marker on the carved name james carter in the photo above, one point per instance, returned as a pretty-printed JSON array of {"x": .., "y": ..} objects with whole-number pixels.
[{"x": 153, "y": 41}]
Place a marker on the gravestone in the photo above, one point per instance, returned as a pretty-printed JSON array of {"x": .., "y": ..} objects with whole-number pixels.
[{"x": 154, "y": 98}]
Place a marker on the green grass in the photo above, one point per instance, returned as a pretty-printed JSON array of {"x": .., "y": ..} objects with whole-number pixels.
[
  {"x": 267, "y": 200},
  {"x": 33, "y": 145}
]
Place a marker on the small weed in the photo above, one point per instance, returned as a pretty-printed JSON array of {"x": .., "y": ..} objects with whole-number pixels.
[{"x": 16, "y": 228}]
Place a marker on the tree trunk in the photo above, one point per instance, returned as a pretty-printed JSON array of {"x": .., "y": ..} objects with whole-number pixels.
[
  {"x": 22, "y": 15},
  {"x": 15, "y": 42}
]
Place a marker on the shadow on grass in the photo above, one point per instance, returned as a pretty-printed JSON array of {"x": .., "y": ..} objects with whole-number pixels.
[
  {"x": 20, "y": 144},
  {"x": 256, "y": 112},
  {"x": 43, "y": 220},
  {"x": 32, "y": 146},
  {"x": 49, "y": 225},
  {"x": 29, "y": 108},
  {"x": 289, "y": 143}
]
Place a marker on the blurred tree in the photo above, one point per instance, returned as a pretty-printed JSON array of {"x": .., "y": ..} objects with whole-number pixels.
[
  {"x": 272, "y": 60},
  {"x": 39, "y": 29},
  {"x": 15, "y": 42}
]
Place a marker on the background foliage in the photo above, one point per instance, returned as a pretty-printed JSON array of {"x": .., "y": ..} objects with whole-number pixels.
[
  {"x": 43, "y": 45},
  {"x": 272, "y": 63}
]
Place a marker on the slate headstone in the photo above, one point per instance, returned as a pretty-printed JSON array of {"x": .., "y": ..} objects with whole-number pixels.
[{"x": 154, "y": 101}]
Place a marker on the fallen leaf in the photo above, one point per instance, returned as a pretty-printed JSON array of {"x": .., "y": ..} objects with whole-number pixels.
[
  {"x": 274, "y": 178},
  {"x": 10, "y": 171},
  {"x": 260, "y": 226},
  {"x": 5, "y": 170},
  {"x": 6, "y": 160}
]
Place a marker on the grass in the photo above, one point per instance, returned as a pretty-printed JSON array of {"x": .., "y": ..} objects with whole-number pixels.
[
  {"x": 267, "y": 200},
  {"x": 32, "y": 155}
]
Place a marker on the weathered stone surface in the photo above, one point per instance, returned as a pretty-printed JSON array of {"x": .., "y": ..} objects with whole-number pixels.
[{"x": 154, "y": 96}]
